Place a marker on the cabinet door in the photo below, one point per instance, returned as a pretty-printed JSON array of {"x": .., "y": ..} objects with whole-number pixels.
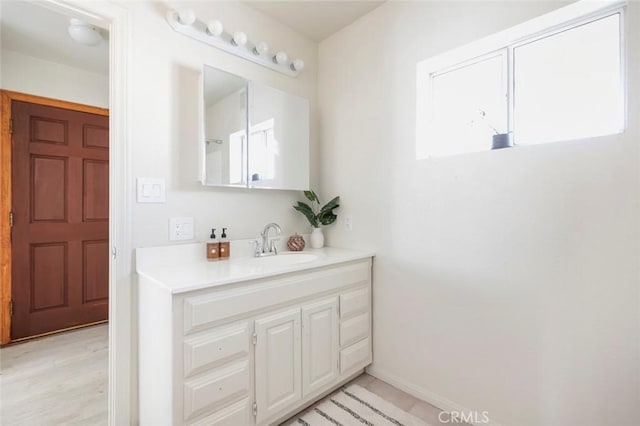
[
  {"x": 278, "y": 363},
  {"x": 319, "y": 344}
]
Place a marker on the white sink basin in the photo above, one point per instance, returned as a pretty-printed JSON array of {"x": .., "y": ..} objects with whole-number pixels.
[{"x": 284, "y": 259}]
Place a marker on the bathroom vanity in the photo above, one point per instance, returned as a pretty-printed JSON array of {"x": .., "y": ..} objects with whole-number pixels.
[{"x": 248, "y": 341}]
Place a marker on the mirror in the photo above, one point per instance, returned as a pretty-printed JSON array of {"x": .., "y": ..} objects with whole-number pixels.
[
  {"x": 225, "y": 128},
  {"x": 263, "y": 146}
]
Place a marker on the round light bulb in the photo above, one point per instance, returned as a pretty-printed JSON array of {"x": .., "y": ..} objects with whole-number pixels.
[
  {"x": 280, "y": 57},
  {"x": 214, "y": 27},
  {"x": 261, "y": 48},
  {"x": 186, "y": 16},
  {"x": 239, "y": 38},
  {"x": 297, "y": 65},
  {"x": 84, "y": 33}
]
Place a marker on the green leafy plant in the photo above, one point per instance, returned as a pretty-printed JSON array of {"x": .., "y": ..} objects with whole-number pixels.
[{"x": 315, "y": 214}]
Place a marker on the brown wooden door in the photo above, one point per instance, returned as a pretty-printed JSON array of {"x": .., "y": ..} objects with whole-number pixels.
[{"x": 60, "y": 245}]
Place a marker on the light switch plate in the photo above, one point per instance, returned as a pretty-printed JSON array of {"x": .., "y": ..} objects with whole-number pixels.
[
  {"x": 150, "y": 190},
  {"x": 180, "y": 228}
]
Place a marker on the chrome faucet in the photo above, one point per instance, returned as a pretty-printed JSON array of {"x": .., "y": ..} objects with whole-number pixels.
[{"x": 268, "y": 245}]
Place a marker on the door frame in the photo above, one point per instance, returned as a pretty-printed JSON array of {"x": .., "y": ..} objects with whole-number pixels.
[
  {"x": 6, "y": 181},
  {"x": 116, "y": 18}
]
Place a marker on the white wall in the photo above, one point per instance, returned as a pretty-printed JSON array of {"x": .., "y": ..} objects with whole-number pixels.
[
  {"x": 504, "y": 281},
  {"x": 166, "y": 67},
  {"x": 26, "y": 74}
]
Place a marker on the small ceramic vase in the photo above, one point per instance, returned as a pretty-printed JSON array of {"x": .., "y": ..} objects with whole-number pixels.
[{"x": 317, "y": 238}]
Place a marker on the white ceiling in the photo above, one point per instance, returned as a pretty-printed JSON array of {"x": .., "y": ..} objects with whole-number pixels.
[
  {"x": 42, "y": 33},
  {"x": 39, "y": 32},
  {"x": 316, "y": 20}
]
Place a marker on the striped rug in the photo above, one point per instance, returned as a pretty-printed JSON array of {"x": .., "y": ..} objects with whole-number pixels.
[{"x": 355, "y": 406}]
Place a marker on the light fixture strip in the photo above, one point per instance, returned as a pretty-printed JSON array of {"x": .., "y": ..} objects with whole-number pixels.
[{"x": 198, "y": 31}]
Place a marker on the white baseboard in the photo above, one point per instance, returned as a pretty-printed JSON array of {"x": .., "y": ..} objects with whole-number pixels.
[{"x": 423, "y": 394}]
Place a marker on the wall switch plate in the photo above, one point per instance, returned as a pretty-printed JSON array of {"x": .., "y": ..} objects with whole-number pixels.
[
  {"x": 150, "y": 190},
  {"x": 348, "y": 223},
  {"x": 180, "y": 228}
]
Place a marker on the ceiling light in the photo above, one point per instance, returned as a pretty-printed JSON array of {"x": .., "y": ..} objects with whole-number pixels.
[
  {"x": 84, "y": 33},
  {"x": 239, "y": 38},
  {"x": 186, "y": 16},
  {"x": 297, "y": 65},
  {"x": 261, "y": 48},
  {"x": 214, "y": 27},
  {"x": 280, "y": 57}
]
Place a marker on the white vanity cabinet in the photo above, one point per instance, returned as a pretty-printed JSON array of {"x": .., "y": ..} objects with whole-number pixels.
[{"x": 251, "y": 352}]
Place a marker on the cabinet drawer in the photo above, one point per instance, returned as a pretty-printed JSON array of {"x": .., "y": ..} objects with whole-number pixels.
[
  {"x": 233, "y": 415},
  {"x": 206, "y": 393},
  {"x": 354, "y": 329},
  {"x": 355, "y": 356},
  {"x": 214, "y": 347},
  {"x": 203, "y": 310},
  {"x": 354, "y": 302}
]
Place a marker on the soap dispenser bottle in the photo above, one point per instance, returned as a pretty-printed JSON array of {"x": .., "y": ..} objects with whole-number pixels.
[
  {"x": 225, "y": 247},
  {"x": 213, "y": 246}
]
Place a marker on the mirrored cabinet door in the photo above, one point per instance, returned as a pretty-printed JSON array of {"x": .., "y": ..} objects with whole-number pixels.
[{"x": 278, "y": 139}]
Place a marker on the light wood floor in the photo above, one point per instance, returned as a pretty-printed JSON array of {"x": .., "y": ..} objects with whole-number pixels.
[
  {"x": 56, "y": 380},
  {"x": 421, "y": 409},
  {"x": 62, "y": 380}
]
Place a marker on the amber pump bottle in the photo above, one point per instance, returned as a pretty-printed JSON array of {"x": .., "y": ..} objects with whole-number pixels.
[
  {"x": 213, "y": 247},
  {"x": 225, "y": 247}
]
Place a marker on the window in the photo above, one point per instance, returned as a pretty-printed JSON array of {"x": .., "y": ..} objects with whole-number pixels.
[
  {"x": 560, "y": 82},
  {"x": 568, "y": 85}
]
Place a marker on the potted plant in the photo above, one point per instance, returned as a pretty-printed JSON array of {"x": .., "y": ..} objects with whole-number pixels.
[
  {"x": 499, "y": 140},
  {"x": 317, "y": 215}
]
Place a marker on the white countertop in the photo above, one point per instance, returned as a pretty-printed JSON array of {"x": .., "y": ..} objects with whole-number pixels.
[{"x": 183, "y": 268}]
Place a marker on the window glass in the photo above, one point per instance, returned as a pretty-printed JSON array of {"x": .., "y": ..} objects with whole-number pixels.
[
  {"x": 469, "y": 106},
  {"x": 568, "y": 85}
]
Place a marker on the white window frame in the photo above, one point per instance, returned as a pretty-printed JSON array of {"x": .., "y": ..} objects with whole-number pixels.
[{"x": 575, "y": 15}]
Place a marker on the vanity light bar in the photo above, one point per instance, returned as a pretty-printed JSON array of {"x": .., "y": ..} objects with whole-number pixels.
[{"x": 212, "y": 33}]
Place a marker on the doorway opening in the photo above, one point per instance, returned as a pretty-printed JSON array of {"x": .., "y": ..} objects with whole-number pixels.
[{"x": 116, "y": 18}]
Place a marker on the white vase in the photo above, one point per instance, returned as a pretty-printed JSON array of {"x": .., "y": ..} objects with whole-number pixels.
[{"x": 317, "y": 238}]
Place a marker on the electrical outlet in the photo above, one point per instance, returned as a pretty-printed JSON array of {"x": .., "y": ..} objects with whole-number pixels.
[
  {"x": 180, "y": 228},
  {"x": 348, "y": 223}
]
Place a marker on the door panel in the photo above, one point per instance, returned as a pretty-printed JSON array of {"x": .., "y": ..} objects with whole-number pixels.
[
  {"x": 95, "y": 277},
  {"x": 319, "y": 344},
  {"x": 60, "y": 203},
  {"x": 48, "y": 276},
  {"x": 48, "y": 186},
  {"x": 47, "y": 130},
  {"x": 95, "y": 194},
  {"x": 95, "y": 136},
  {"x": 277, "y": 363}
]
